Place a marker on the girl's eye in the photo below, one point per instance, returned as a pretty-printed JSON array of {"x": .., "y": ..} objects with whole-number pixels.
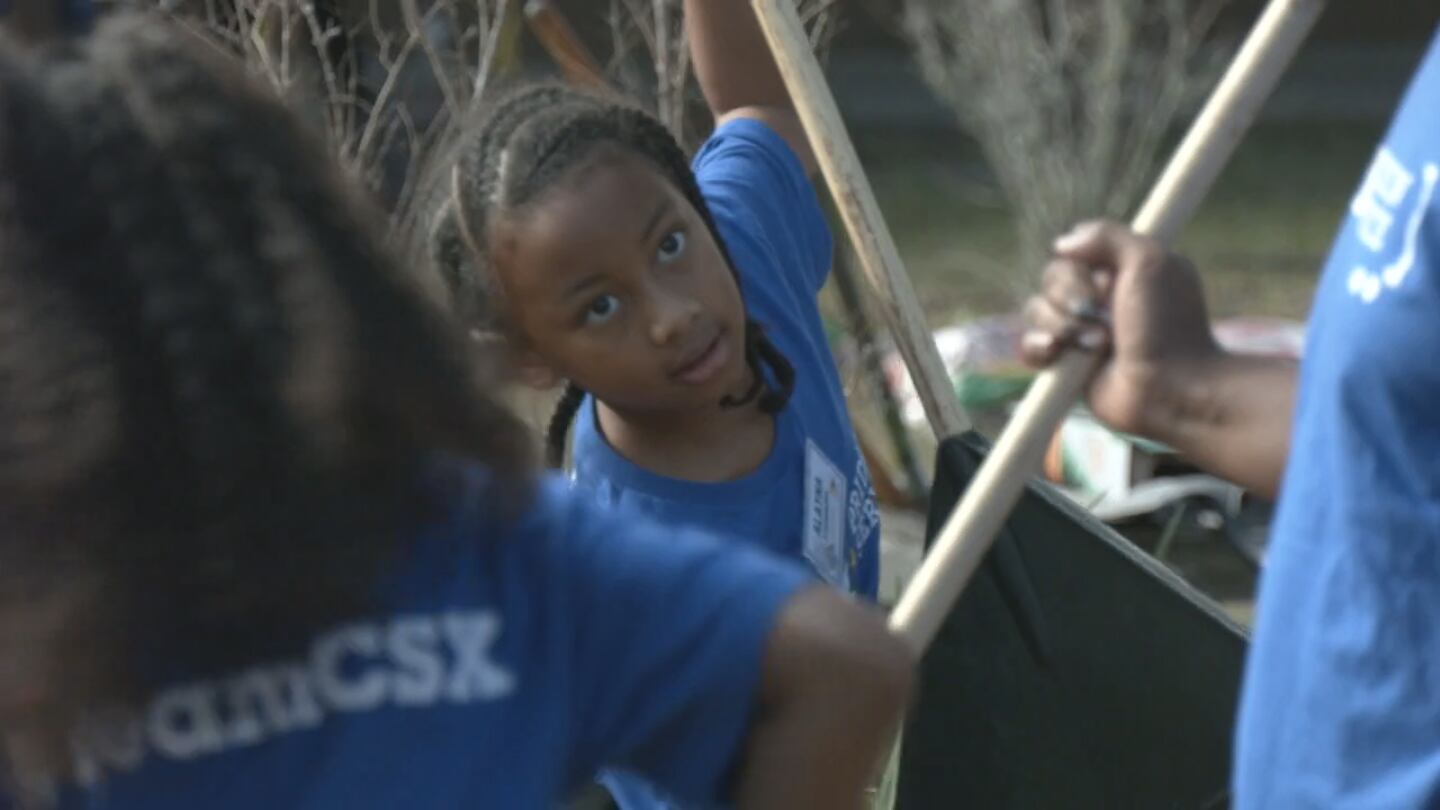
[
  {"x": 602, "y": 309},
  {"x": 671, "y": 246}
]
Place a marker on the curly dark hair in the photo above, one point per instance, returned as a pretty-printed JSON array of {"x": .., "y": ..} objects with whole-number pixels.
[
  {"x": 219, "y": 393},
  {"x": 524, "y": 145}
]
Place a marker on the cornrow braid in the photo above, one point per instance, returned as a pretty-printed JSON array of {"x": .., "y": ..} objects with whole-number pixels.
[
  {"x": 458, "y": 246},
  {"x": 529, "y": 142},
  {"x": 559, "y": 424}
]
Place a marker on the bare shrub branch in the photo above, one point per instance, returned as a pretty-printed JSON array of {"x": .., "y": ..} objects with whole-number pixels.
[
  {"x": 1071, "y": 101},
  {"x": 383, "y": 87},
  {"x": 652, "y": 32}
]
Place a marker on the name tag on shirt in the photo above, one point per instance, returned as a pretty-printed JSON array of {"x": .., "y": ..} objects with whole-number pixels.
[{"x": 825, "y": 517}]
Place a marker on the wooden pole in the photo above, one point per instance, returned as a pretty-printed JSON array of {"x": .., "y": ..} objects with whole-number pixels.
[
  {"x": 861, "y": 214},
  {"x": 915, "y": 492},
  {"x": 973, "y": 525}
]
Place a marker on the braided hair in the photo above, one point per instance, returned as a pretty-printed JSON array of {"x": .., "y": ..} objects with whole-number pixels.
[
  {"x": 218, "y": 393},
  {"x": 527, "y": 143}
]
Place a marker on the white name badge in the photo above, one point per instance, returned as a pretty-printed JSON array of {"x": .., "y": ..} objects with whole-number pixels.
[{"x": 825, "y": 517}]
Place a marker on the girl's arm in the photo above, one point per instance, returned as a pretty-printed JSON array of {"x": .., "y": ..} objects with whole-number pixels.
[
  {"x": 737, "y": 73},
  {"x": 714, "y": 669},
  {"x": 834, "y": 684}
]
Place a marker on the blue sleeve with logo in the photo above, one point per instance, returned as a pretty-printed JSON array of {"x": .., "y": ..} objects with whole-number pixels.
[{"x": 1340, "y": 704}]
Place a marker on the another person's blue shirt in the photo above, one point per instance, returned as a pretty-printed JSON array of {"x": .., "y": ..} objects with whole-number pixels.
[
  {"x": 811, "y": 499},
  {"x": 508, "y": 665},
  {"x": 1341, "y": 706}
]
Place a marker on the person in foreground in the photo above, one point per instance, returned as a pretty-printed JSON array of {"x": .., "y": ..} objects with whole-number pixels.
[
  {"x": 1340, "y": 706},
  {"x": 268, "y": 540}
]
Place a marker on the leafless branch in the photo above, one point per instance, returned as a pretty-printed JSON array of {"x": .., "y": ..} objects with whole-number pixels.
[
  {"x": 361, "y": 71},
  {"x": 669, "y": 88},
  {"x": 1070, "y": 101},
  {"x": 441, "y": 71}
]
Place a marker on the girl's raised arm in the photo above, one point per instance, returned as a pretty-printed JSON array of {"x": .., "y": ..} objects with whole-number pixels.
[{"x": 737, "y": 73}]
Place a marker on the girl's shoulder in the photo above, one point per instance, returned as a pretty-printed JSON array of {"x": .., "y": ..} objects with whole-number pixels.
[
  {"x": 764, "y": 205},
  {"x": 754, "y": 147}
]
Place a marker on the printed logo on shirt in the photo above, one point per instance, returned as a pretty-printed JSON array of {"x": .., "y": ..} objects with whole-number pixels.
[
  {"x": 1388, "y": 211},
  {"x": 410, "y": 662},
  {"x": 864, "y": 513},
  {"x": 825, "y": 517}
]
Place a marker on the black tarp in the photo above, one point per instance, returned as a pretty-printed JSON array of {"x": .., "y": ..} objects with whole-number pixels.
[{"x": 1075, "y": 671}]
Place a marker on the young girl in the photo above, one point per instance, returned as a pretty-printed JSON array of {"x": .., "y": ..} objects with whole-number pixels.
[
  {"x": 266, "y": 545},
  {"x": 574, "y": 227}
]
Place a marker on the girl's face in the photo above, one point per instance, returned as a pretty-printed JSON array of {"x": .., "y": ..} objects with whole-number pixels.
[{"x": 613, "y": 282}]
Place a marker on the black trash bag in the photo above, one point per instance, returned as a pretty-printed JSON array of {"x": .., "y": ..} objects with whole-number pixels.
[{"x": 1075, "y": 672}]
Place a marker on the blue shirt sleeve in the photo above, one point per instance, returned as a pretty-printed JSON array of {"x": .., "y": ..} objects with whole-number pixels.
[
  {"x": 668, "y": 633},
  {"x": 751, "y": 176}
]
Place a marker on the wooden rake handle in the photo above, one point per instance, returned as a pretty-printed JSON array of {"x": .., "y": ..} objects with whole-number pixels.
[
  {"x": 977, "y": 519},
  {"x": 855, "y": 200},
  {"x": 973, "y": 525}
]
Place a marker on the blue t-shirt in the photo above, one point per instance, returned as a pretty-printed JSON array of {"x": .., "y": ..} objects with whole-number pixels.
[
  {"x": 1341, "y": 706},
  {"x": 811, "y": 499},
  {"x": 510, "y": 665}
]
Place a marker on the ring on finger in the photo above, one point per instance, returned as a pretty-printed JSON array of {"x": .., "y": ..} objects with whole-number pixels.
[{"x": 1086, "y": 310}]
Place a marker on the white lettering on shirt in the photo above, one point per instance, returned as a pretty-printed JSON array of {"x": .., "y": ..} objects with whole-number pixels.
[
  {"x": 410, "y": 662},
  {"x": 1375, "y": 207}
]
